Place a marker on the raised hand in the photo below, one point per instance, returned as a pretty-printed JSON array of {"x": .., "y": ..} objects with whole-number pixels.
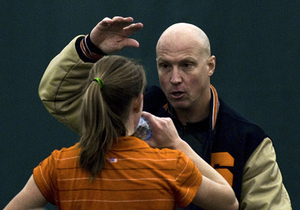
[{"x": 111, "y": 35}]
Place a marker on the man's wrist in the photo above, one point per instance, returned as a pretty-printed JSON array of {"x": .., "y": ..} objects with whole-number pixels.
[{"x": 87, "y": 51}]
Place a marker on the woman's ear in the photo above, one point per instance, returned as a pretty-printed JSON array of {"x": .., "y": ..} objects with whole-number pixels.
[{"x": 138, "y": 104}]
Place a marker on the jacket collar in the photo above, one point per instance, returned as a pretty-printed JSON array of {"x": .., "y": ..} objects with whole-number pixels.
[{"x": 215, "y": 106}]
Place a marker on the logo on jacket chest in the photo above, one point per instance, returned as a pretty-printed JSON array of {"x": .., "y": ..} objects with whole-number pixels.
[{"x": 221, "y": 160}]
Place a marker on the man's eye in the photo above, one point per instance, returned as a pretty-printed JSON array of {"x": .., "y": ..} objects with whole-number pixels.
[
  {"x": 187, "y": 65},
  {"x": 164, "y": 66}
]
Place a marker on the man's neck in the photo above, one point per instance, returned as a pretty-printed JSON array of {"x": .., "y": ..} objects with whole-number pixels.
[{"x": 195, "y": 114}]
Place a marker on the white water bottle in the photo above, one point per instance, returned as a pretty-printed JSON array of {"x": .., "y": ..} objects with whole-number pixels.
[{"x": 143, "y": 130}]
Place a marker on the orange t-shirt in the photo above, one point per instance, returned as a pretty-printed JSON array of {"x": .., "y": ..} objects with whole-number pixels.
[{"x": 135, "y": 176}]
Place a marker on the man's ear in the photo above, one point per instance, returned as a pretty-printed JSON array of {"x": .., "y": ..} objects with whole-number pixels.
[
  {"x": 138, "y": 103},
  {"x": 211, "y": 62}
]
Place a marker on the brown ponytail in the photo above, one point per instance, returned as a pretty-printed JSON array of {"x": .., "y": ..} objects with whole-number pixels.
[{"x": 104, "y": 110}]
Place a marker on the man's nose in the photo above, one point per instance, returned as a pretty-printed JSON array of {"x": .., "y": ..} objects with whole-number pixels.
[{"x": 176, "y": 76}]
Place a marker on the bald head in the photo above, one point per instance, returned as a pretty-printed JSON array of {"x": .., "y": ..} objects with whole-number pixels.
[{"x": 184, "y": 34}]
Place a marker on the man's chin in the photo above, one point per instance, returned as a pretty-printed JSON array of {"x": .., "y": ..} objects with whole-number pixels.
[{"x": 179, "y": 105}]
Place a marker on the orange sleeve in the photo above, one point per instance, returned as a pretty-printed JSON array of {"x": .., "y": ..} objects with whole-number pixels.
[
  {"x": 44, "y": 176},
  {"x": 188, "y": 180}
]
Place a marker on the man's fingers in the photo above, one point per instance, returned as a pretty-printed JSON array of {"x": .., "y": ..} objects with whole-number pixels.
[
  {"x": 116, "y": 21},
  {"x": 121, "y": 21},
  {"x": 106, "y": 21},
  {"x": 132, "y": 43},
  {"x": 134, "y": 27}
]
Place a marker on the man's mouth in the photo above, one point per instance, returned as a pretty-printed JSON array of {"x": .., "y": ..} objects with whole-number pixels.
[{"x": 177, "y": 94}]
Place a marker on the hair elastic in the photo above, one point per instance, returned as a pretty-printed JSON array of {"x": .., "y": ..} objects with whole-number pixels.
[{"x": 100, "y": 82}]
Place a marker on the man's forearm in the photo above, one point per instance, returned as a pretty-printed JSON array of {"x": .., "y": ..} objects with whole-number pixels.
[
  {"x": 61, "y": 86},
  {"x": 262, "y": 186}
]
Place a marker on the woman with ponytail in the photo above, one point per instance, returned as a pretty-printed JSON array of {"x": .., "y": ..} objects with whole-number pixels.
[
  {"x": 113, "y": 84},
  {"x": 109, "y": 168}
]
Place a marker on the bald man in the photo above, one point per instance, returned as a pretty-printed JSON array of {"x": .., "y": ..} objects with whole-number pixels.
[
  {"x": 185, "y": 65},
  {"x": 238, "y": 149}
]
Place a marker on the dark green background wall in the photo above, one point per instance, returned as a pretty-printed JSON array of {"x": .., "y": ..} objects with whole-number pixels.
[{"x": 256, "y": 44}]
